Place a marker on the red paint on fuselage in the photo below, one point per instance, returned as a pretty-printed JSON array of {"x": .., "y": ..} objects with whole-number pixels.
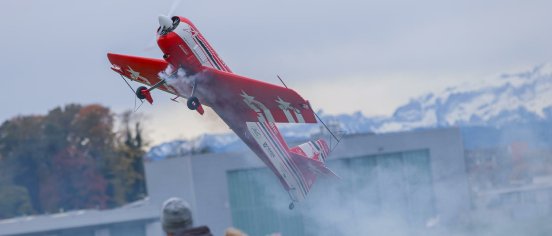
[
  {"x": 223, "y": 65},
  {"x": 179, "y": 54}
]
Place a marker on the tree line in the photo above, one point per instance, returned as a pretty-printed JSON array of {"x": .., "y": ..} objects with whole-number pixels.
[{"x": 70, "y": 158}]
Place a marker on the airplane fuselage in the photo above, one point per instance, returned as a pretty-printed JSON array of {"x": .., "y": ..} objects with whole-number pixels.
[{"x": 185, "y": 47}]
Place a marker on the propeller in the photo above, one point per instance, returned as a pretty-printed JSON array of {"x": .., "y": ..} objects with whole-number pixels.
[
  {"x": 166, "y": 24},
  {"x": 174, "y": 5}
]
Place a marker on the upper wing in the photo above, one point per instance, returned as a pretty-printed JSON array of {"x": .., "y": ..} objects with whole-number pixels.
[
  {"x": 256, "y": 101},
  {"x": 140, "y": 69}
]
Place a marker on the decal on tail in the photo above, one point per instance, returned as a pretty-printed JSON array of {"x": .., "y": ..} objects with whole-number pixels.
[{"x": 310, "y": 157}]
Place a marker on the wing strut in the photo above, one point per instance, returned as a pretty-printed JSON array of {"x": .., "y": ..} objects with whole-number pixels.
[
  {"x": 333, "y": 135},
  {"x": 321, "y": 121},
  {"x": 282, "y": 81},
  {"x": 132, "y": 89}
]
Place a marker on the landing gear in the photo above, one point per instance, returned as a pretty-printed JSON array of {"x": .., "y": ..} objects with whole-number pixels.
[
  {"x": 291, "y": 206},
  {"x": 139, "y": 92},
  {"x": 193, "y": 103},
  {"x": 144, "y": 93}
]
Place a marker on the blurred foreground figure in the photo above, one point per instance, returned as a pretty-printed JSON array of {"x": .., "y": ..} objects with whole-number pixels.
[
  {"x": 234, "y": 232},
  {"x": 177, "y": 219}
]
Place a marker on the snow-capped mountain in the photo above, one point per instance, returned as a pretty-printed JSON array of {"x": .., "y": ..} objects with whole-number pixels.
[
  {"x": 201, "y": 144},
  {"x": 510, "y": 99}
]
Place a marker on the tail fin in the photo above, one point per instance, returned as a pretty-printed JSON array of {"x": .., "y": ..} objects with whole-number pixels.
[
  {"x": 316, "y": 150},
  {"x": 310, "y": 158}
]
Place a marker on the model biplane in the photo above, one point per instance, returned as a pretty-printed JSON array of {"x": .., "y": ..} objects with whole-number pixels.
[{"x": 191, "y": 69}]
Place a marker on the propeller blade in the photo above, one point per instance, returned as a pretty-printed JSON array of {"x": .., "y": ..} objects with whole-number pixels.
[
  {"x": 174, "y": 5},
  {"x": 165, "y": 22},
  {"x": 152, "y": 44}
]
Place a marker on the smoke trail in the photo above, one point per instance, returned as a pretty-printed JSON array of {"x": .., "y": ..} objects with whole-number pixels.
[{"x": 372, "y": 202}]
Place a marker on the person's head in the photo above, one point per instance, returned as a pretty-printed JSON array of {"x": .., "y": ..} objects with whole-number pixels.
[
  {"x": 234, "y": 232},
  {"x": 176, "y": 216}
]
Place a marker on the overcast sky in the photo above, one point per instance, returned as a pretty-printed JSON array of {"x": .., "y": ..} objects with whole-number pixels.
[{"x": 343, "y": 56}]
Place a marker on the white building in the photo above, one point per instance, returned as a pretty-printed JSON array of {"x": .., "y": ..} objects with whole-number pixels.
[{"x": 412, "y": 179}]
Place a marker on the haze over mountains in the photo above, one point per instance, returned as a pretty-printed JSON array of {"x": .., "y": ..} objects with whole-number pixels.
[{"x": 494, "y": 112}]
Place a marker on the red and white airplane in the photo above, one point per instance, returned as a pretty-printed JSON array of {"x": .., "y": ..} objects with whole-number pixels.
[{"x": 191, "y": 69}]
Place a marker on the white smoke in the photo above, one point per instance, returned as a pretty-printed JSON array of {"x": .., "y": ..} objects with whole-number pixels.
[
  {"x": 349, "y": 207},
  {"x": 179, "y": 80}
]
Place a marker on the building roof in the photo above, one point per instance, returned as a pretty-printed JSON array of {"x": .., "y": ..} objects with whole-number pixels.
[
  {"x": 138, "y": 211},
  {"x": 539, "y": 183}
]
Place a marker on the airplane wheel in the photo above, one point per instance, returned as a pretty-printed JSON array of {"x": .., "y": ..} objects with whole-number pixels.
[
  {"x": 291, "y": 206},
  {"x": 139, "y": 92},
  {"x": 193, "y": 103}
]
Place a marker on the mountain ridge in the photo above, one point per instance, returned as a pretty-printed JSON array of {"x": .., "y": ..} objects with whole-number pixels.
[{"x": 511, "y": 99}]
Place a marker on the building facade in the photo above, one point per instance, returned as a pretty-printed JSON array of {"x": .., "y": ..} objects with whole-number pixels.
[
  {"x": 407, "y": 181},
  {"x": 412, "y": 179}
]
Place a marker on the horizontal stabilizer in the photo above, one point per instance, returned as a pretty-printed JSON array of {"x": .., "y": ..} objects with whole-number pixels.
[
  {"x": 316, "y": 150},
  {"x": 140, "y": 69},
  {"x": 310, "y": 167},
  {"x": 309, "y": 157}
]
